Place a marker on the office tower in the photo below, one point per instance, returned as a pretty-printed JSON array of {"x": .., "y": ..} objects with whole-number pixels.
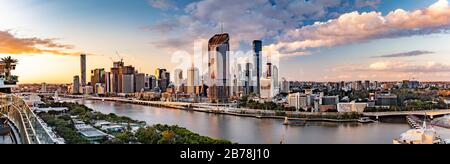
[
  {"x": 115, "y": 80},
  {"x": 127, "y": 83},
  {"x": 147, "y": 83},
  {"x": 285, "y": 87},
  {"x": 257, "y": 63},
  {"x": 125, "y": 70},
  {"x": 139, "y": 82},
  {"x": 178, "y": 78},
  {"x": 83, "y": 70},
  {"x": 193, "y": 80},
  {"x": 152, "y": 82},
  {"x": 163, "y": 78},
  {"x": 76, "y": 85},
  {"x": 275, "y": 82},
  {"x": 218, "y": 62},
  {"x": 248, "y": 87},
  {"x": 97, "y": 77},
  {"x": 107, "y": 82}
]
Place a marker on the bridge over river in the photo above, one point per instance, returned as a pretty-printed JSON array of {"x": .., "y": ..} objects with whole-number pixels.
[{"x": 429, "y": 113}]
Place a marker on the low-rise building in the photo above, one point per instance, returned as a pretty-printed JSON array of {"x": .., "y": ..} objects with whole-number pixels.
[{"x": 351, "y": 107}]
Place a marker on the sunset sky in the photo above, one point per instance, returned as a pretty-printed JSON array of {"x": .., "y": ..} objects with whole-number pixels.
[{"x": 318, "y": 40}]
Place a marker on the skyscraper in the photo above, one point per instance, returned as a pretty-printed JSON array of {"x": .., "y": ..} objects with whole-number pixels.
[
  {"x": 123, "y": 71},
  {"x": 284, "y": 88},
  {"x": 83, "y": 69},
  {"x": 163, "y": 78},
  {"x": 115, "y": 76},
  {"x": 275, "y": 82},
  {"x": 139, "y": 82},
  {"x": 248, "y": 87},
  {"x": 257, "y": 63},
  {"x": 107, "y": 82},
  {"x": 178, "y": 78},
  {"x": 127, "y": 83},
  {"x": 218, "y": 62},
  {"x": 97, "y": 77},
  {"x": 192, "y": 80},
  {"x": 76, "y": 85}
]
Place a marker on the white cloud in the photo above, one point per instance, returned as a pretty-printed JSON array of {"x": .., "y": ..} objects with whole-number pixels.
[
  {"x": 356, "y": 27},
  {"x": 162, "y": 4}
]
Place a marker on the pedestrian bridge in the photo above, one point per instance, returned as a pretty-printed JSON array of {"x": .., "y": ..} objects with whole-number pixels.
[
  {"x": 27, "y": 127},
  {"x": 430, "y": 113}
]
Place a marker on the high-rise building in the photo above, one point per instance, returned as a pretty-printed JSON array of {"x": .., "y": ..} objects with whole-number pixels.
[
  {"x": 126, "y": 70},
  {"x": 107, "y": 82},
  {"x": 163, "y": 78},
  {"x": 150, "y": 82},
  {"x": 139, "y": 82},
  {"x": 275, "y": 81},
  {"x": 257, "y": 63},
  {"x": 116, "y": 80},
  {"x": 178, "y": 78},
  {"x": 248, "y": 87},
  {"x": 127, "y": 83},
  {"x": 218, "y": 62},
  {"x": 76, "y": 85},
  {"x": 83, "y": 69},
  {"x": 193, "y": 80},
  {"x": 97, "y": 77},
  {"x": 285, "y": 86}
]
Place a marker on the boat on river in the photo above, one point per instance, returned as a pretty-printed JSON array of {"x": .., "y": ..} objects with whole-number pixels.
[
  {"x": 288, "y": 122},
  {"x": 365, "y": 120}
]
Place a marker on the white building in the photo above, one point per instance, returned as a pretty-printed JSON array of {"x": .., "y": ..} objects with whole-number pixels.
[
  {"x": 266, "y": 88},
  {"x": 351, "y": 107},
  {"x": 298, "y": 100},
  {"x": 178, "y": 77},
  {"x": 275, "y": 82}
]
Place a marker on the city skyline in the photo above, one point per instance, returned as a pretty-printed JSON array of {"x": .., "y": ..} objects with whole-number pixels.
[{"x": 371, "y": 39}]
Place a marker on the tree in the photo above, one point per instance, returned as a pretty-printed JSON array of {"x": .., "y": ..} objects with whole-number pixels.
[
  {"x": 148, "y": 135},
  {"x": 10, "y": 64}
]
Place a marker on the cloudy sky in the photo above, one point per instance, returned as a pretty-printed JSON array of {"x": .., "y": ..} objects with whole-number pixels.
[{"x": 318, "y": 40}]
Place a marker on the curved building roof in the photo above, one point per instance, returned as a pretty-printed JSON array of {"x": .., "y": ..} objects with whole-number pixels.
[{"x": 219, "y": 39}]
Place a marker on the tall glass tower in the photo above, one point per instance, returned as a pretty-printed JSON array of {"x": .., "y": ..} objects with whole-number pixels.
[
  {"x": 218, "y": 67},
  {"x": 257, "y": 63}
]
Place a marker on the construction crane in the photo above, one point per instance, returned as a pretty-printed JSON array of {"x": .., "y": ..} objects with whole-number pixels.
[{"x": 120, "y": 57}]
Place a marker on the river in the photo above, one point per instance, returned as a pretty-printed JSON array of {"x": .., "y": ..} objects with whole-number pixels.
[{"x": 245, "y": 130}]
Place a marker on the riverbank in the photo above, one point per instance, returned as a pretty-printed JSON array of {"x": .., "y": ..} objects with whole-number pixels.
[
  {"x": 250, "y": 130},
  {"x": 119, "y": 129},
  {"x": 274, "y": 117},
  {"x": 241, "y": 112}
]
